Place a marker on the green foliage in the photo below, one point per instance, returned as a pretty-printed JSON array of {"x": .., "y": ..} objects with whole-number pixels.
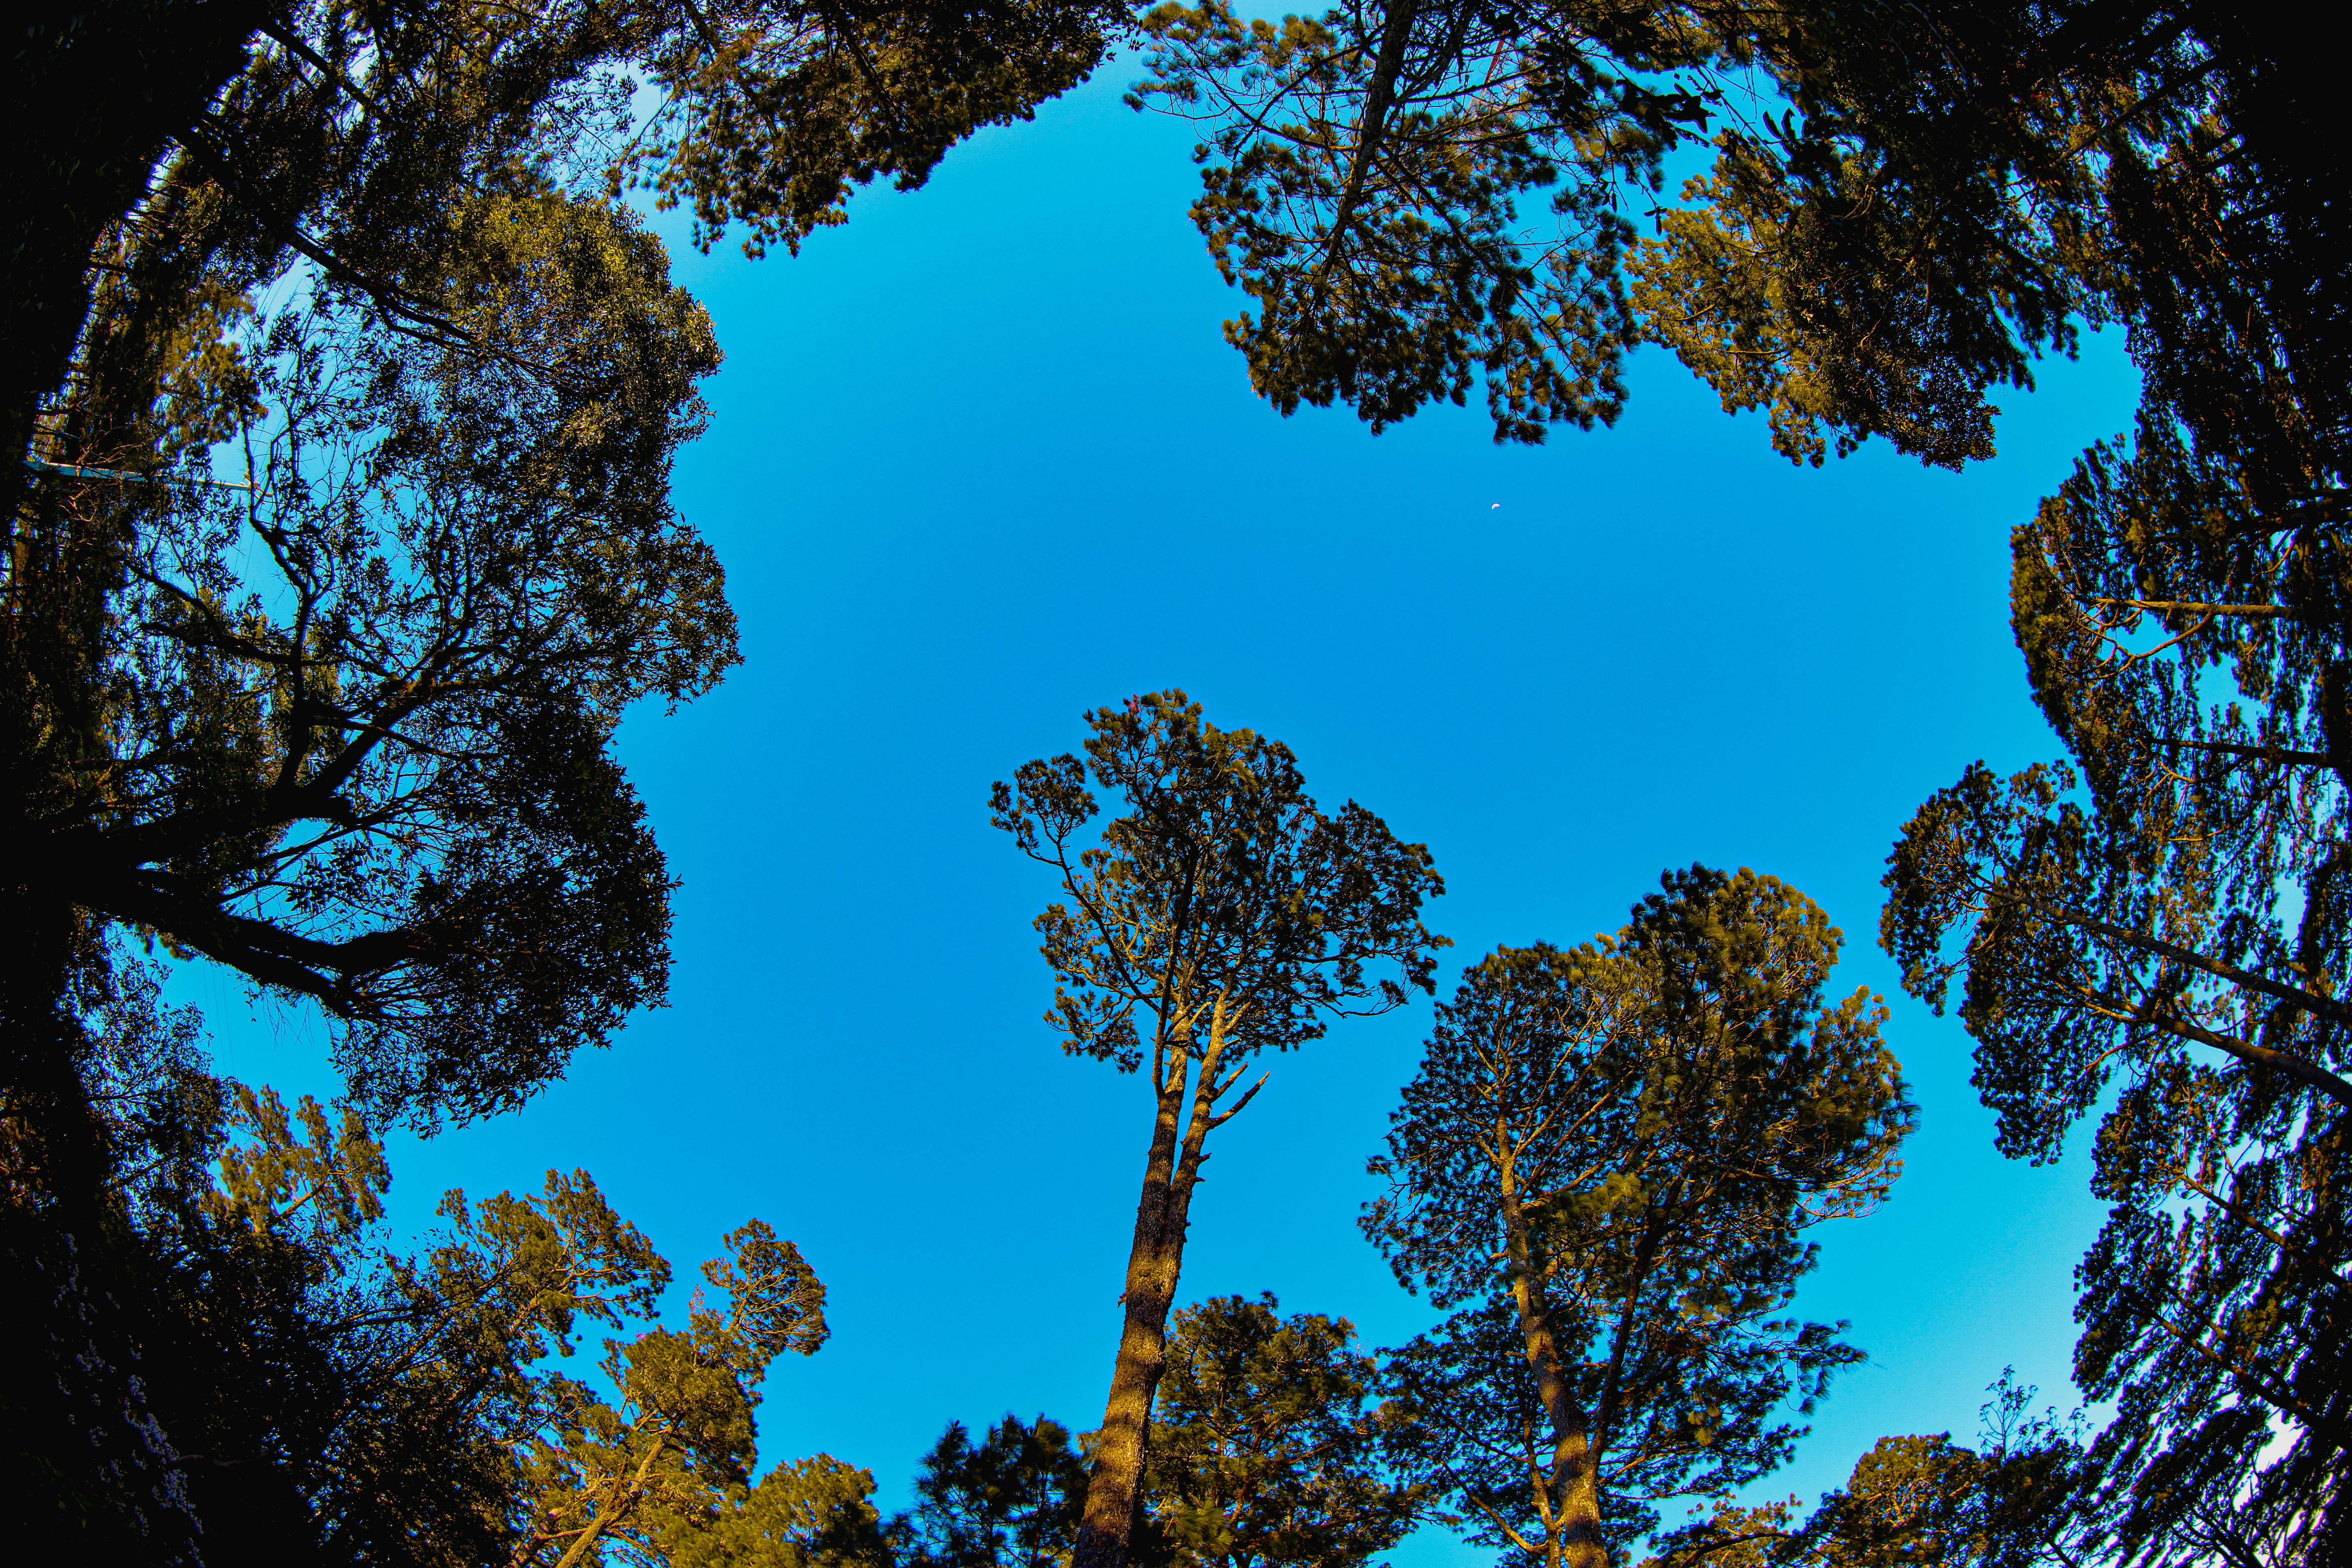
[
  {"x": 1263, "y": 1453},
  {"x": 346, "y": 731},
  {"x": 1919, "y": 1502},
  {"x": 352, "y": 393},
  {"x": 1013, "y": 1498},
  {"x": 1908, "y": 204},
  {"x": 776, "y": 111},
  {"x": 2153, "y": 930},
  {"x": 1362, "y": 181},
  {"x": 327, "y": 1397},
  {"x": 1603, "y": 1164},
  {"x": 1904, "y": 236},
  {"x": 1223, "y": 891},
  {"x": 340, "y": 1172},
  {"x": 636, "y": 1476},
  {"x": 807, "y": 1513}
]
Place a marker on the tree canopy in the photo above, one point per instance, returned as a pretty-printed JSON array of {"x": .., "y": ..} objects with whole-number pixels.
[
  {"x": 2149, "y": 932},
  {"x": 1012, "y": 1499},
  {"x": 1905, "y": 207},
  {"x": 1920, "y": 1501},
  {"x": 343, "y": 389},
  {"x": 321, "y": 1395},
  {"x": 1907, "y": 203},
  {"x": 349, "y": 536},
  {"x": 1603, "y": 1166},
  {"x": 1269, "y": 1446}
]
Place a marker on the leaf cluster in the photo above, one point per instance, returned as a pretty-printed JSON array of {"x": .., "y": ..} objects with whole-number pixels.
[
  {"x": 1268, "y": 1449},
  {"x": 1907, "y": 206},
  {"x": 1223, "y": 886},
  {"x": 1015, "y": 1498},
  {"x": 1919, "y": 1501},
  {"x": 2151, "y": 934},
  {"x": 332, "y": 1399},
  {"x": 1363, "y": 179}
]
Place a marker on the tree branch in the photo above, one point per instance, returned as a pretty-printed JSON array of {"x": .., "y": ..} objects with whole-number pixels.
[
  {"x": 1396, "y": 30},
  {"x": 2325, "y": 1007}
]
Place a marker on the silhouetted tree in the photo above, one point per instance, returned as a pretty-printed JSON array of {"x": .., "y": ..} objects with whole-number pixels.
[
  {"x": 342, "y": 390},
  {"x": 1013, "y": 1500},
  {"x": 1941, "y": 193}
]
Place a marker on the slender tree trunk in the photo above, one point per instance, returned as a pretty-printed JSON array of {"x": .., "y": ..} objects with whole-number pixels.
[
  {"x": 1572, "y": 1534},
  {"x": 631, "y": 1491},
  {"x": 1380, "y": 92},
  {"x": 1114, "y": 1492},
  {"x": 1152, "y": 1263}
]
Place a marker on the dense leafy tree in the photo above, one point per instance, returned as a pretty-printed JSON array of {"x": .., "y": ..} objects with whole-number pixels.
[
  {"x": 1920, "y": 1503},
  {"x": 322, "y": 1397},
  {"x": 343, "y": 730},
  {"x": 1262, "y": 1454},
  {"x": 1368, "y": 172},
  {"x": 816, "y": 1512},
  {"x": 1262, "y": 1451},
  {"x": 309, "y": 114},
  {"x": 2155, "y": 934},
  {"x": 1014, "y": 1500},
  {"x": 340, "y": 401},
  {"x": 2151, "y": 930},
  {"x": 1907, "y": 203},
  {"x": 1221, "y": 917},
  {"x": 630, "y": 1476},
  {"x": 1604, "y": 1164},
  {"x": 358, "y": 720},
  {"x": 96, "y": 91}
]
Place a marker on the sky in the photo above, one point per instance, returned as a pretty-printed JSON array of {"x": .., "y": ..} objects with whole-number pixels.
[{"x": 980, "y": 461}]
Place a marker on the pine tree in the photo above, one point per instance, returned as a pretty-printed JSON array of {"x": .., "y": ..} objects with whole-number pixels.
[
  {"x": 1221, "y": 917},
  {"x": 1267, "y": 1448},
  {"x": 1013, "y": 1500},
  {"x": 329, "y": 1398},
  {"x": 1941, "y": 194},
  {"x": 1603, "y": 1166},
  {"x": 343, "y": 391},
  {"x": 1925, "y": 1501}
]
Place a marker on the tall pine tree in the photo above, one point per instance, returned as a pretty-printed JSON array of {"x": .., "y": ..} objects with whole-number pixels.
[
  {"x": 1604, "y": 1167},
  {"x": 1221, "y": 917}
]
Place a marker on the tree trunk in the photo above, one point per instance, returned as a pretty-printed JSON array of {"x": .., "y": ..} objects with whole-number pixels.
[
  {"x": 631, "y": 1492},
  {"x": 1152, "y": 1264},
  {"x": 1572, "y": 1534},
  {"x": 1114, "y": 1492}
]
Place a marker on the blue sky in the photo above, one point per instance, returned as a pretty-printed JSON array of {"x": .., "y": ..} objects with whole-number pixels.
[{"x": 981, "y": 460}]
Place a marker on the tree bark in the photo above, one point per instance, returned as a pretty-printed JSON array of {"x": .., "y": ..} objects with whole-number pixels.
[
  {"x": 1572, "y": 1514},
  {"x": 1156, "y": 1257},
  {"x": 1152, "y": 1263},
  {"x": 1396, "y": 31}
]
